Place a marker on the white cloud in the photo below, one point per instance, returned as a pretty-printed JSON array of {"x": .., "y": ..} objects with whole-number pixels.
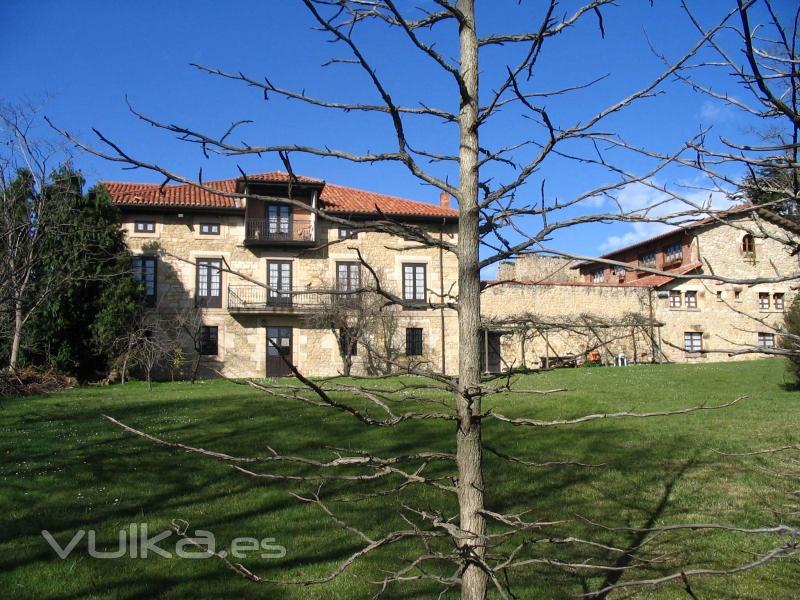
[
  {"x": 650, "y": 200},
  {"x": 716, "y": 112}
]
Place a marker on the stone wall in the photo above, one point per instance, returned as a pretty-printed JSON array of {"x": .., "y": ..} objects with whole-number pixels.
[
  {"x": 727, "y": 315},
  {"x": 242, "y": 337},
  {"x": 532, "y": 267},
  {"x": 543, "y": 321}
]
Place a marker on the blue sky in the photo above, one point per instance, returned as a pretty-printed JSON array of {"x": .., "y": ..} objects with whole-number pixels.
[{"x": 78, "y": 60}]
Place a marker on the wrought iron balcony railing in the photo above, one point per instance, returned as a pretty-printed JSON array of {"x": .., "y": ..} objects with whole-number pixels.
[
  {"x": 269, "y": 230},
  {"x": 254, "y": 298}
]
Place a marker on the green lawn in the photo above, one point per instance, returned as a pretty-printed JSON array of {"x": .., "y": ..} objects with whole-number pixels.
[{"x": 65, "y": 469}]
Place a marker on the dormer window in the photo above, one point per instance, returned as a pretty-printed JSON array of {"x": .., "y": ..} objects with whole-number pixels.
[{"x": 748, "y": 246}]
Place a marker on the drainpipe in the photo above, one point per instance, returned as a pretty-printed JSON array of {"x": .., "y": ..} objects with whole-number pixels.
[
  {"x": 656, "y": 345},
  {"x": 441, "y": 293}
]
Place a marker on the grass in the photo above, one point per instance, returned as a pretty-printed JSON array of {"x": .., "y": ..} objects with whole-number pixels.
[{"x": 65, "y": 469}]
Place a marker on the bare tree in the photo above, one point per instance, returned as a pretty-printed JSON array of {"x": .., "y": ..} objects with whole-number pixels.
[
  {"x": 34, "y": 198},
  {"x": 473, "y": 549}
]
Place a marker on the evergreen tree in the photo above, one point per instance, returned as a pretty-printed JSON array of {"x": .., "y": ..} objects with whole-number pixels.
[{"x": 76, "y": 329}]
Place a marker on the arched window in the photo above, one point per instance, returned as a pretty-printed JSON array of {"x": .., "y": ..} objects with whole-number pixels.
[{"x": 748, "y": 246}]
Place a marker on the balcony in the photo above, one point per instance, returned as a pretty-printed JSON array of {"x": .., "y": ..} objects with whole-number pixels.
[
  {"x": 265, "y": 232},
  {"x": 256, "y": 299}
]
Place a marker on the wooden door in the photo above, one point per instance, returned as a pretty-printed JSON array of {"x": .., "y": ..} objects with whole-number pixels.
[
  {"x": 279, "y": 350},
  {"x": 491, "y": 355}
]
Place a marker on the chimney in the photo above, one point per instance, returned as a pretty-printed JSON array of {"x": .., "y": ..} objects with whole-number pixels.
[{"x": 444, "y": 200}]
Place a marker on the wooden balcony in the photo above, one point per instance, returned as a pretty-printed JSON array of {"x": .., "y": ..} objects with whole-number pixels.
[
  {"x": 256, "y": 299},
  {"x": 262, "y": 232}
]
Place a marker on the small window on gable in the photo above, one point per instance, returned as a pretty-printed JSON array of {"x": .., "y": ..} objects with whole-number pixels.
[
  {"x": 209, "y": 228},
  {"x": 777, "y": 301},
  {"x": 144, "y": 226},
  {"x": 209, "y": 336},
  {"x": 748, "y": 246},
  {"x": 648, "y": 259}
]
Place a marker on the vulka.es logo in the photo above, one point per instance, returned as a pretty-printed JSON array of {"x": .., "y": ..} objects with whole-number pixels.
[{"x": 136, "y": 542}]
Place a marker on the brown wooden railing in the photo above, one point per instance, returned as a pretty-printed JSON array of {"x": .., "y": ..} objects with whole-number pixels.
[
  {"x": 259, "y": 230},
  {"x": 254, "y": 298}
]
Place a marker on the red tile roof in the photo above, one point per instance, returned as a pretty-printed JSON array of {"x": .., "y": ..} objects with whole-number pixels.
[
  {"x": 334, "y": 198},
  {"x": 677, "y": 230},
  {"x": 648, "y": 281},
  {"x": 178, "y": 196},
  {"x": 659, "y": 280}
]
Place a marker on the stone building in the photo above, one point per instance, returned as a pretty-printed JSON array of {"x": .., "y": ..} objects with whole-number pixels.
[
  {"x": 259, "y": 273},
  {"x": 614, "y": 309}
]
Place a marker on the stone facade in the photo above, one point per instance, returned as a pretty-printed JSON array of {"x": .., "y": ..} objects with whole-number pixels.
[
  {"x": 727, "y": 315},
  {"x": 178, "y": 243},
  {"x": 651, "y": 317},
  {"x": 539, "y": 312}
]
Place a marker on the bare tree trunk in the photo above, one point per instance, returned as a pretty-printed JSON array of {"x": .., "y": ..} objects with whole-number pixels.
[
  {"x": 15, "y": 340},
  {"x": 468, "y": 444}
]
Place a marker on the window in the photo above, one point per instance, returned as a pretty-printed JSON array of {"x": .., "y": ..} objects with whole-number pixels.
[
  {"x": 673, "y": 254},
  {"x": 693, "y": 341},
  {"x": 618, "y": 271},
  {"x": 347, "y": 344},
  {"x": 209, "y": 228},
  {"x": 414, "y": 341},
  {"x": 144, "y": 272},
  {"x": 279, "y": 218},
  {"x": 279, "y": 282},
  {"x": 414, "y": 283},
  {"x": 691, "y": 299},
  {"x": 763, "y": 300},
  {"x": 598, "y": 276},
  {"x": 208, "y": 340},
  {"x": 144, "y": 227},
  {"x": 648, "y": 258},
  {"x": 737, "y": 294},
  {"x": 674, "y": 299},
  {"x": 719, "y": 295},
  {"x": 347, "y": 233},
  {"x": 777, "y": 301},
  {"x": 766, "y": 340},
  {"x": 748, "y": 246},
  {"x": 348, "y": 279},
  {"x": 209, "y": 282}
]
